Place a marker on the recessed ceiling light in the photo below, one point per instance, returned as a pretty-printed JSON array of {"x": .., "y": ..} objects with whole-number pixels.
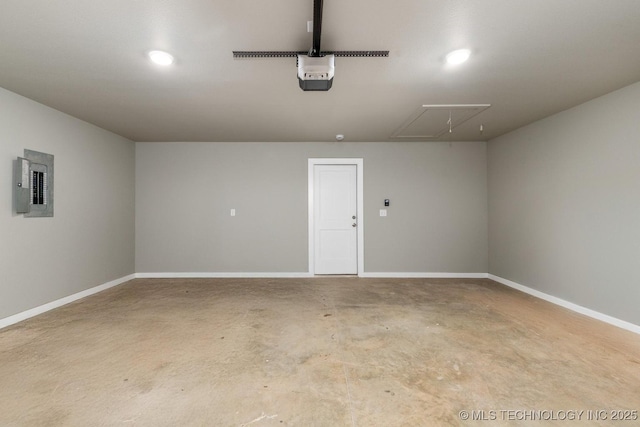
[
  {"x": 160, "y": 57},
  {"x": 458, "y": 56}
]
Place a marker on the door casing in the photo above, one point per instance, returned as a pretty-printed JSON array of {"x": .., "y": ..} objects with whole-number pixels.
[{"x": 359, "y": 163}]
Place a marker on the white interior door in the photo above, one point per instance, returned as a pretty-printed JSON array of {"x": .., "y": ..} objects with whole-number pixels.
[{"x": 335, "y": 220}]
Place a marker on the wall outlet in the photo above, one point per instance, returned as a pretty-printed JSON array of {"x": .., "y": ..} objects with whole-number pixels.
[
  {"x": 233, "y": 212},
  {"x": 383, "y": 212}
]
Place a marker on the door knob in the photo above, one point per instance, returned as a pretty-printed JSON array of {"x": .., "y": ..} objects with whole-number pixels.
[{"x": 353, "y": 225}]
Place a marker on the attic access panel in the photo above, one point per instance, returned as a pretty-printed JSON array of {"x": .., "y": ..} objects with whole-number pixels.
[{"x": 433, "y": 121}]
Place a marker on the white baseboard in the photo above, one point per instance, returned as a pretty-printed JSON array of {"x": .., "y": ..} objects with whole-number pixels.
[
  {"x": 62, "y": 301},
  {"x": 427, "y": 275},
  {"x": 303, "y": 275},
  {"x": 221, "y": 275},
  {"x": 566, "y": 304}
]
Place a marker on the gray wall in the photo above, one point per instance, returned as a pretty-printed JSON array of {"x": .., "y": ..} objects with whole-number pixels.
[
  {"x": 90, "y": 240},
  {"x": 564, "y": 205},
  {"x": 437, "y": 219}
]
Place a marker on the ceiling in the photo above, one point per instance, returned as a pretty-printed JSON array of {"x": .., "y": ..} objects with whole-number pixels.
[{"x": 530, "y": 59}]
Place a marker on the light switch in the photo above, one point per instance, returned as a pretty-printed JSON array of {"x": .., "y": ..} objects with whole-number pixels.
[
  {"x": 233, "y": 212},
  {"x": 383, "y": 212}
]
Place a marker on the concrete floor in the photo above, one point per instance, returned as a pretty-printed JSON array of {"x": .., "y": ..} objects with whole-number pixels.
[{"x": 314, "y": 352}]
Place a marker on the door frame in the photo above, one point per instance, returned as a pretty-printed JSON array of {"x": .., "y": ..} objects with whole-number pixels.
[{"x": 359, "y": 163}]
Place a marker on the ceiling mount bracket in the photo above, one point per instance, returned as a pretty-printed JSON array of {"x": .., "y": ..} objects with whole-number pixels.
[{"x": 317, "y": 29}]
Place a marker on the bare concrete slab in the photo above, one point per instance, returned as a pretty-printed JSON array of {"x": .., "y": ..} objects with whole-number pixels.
[{"x": 315, "y": 352}]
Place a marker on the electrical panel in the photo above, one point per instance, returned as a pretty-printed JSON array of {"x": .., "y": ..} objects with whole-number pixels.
[{"x": 33, "y": 184}]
